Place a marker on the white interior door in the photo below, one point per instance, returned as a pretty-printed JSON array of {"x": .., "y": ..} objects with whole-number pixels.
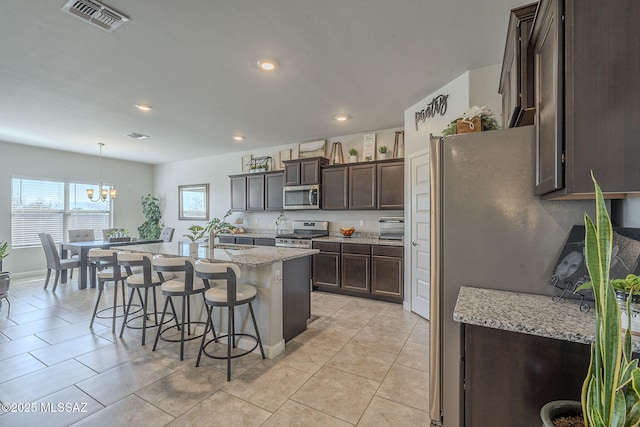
[{"x": 419, "y": 187}]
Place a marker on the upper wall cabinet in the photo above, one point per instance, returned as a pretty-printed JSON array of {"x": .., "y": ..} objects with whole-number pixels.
[
  {"x": 257, "y": 191},
  {"x": 586, "y": 62},
  {"x": 303, "y": 171},
  {"x": 516, "y": 79}
]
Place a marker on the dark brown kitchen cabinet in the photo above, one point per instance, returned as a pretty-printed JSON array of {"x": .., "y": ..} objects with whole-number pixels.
[
  {"x": 362, "y": 186},
  {"x": 356, "y": 269},
  {"x": 303, "y": 171},
  {"x": 226, "y": 239},
  {"x": 264, "y": 241},
  {"x": 390, "y": 185},
  {"x": 243, "y": 240},
  {"x": 238, "y": 193},
  {"x": 255, "y": 192},
  {"x": 387, "y": 272},
  {"x": 273, "y": 185},
  {"x": 326, "y": 265},
  {"x": 516, "y": 79},
  {"x": 586, "y": 96},
  {"x": 334, "y": 187}
]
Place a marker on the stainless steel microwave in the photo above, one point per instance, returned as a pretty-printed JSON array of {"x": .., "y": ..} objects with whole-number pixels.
[{"x": 301, "y": 197}]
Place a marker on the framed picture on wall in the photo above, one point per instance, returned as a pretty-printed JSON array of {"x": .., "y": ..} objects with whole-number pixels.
[
  {"x": 193, "y": 202},
  {"x": 311, "y": 149},
  {"x": 246, "y": 162}
]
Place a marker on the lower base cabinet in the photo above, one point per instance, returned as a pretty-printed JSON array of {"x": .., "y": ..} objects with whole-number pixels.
[
  {"x": 238, "y": 240},
  {"x": 370, "y": 271}
]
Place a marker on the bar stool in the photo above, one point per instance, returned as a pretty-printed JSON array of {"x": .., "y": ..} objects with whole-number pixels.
[
  {"x": 229, "y": 295},
  {"x": 147, "y": 280},
  {"x": 108, "y": 270},
  {"x": 177, "y": 288}
]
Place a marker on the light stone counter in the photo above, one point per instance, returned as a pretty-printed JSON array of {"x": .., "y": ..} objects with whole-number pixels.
[
  {"x": 528, "y": 314},
  {"x": 360, "y": 240}
]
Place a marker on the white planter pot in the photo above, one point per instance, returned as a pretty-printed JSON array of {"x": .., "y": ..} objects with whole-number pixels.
[
  {"x": 382, "y": 156},
  {"x": 353, "y": 159}
]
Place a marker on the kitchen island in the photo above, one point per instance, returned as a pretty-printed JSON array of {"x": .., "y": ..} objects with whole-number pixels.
[{"x": 282, "y": 277}]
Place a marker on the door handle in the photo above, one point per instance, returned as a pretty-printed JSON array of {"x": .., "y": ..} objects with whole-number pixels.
[
  {"x": 414, "y": 243},
  {"x": 310, "y": 197}
]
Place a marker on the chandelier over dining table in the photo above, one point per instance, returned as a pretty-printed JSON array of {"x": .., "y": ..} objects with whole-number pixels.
[{"x": 103, "y": 193}]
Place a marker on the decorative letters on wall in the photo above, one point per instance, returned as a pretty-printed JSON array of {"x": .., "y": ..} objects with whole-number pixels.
[{"x": 438, "y": 105}]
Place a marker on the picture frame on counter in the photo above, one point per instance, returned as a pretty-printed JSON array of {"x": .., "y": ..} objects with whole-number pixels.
[
  {"x": 246, "y": 162},
  {"x": 282, "y": 156},
  {"x": 312, "y": 149},
  {"x": 193, "y": 202}
]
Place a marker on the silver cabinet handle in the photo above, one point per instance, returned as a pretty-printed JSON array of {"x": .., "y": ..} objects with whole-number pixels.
[{"x": 414, "y": 243}]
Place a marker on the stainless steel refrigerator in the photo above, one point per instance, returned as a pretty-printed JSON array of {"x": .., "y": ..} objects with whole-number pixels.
[{"x": 488, "y": 230}]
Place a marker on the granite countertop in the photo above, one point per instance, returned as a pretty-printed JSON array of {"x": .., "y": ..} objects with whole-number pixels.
[
  {"x": 528, "y": 314},
  {"x": 256, "y": 235},
  {"x": 243, "y": 255},
  {"x": 360, "y": 240}
]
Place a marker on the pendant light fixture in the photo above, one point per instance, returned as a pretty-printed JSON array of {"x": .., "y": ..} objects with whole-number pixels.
[{"x": 103, "y": 193}]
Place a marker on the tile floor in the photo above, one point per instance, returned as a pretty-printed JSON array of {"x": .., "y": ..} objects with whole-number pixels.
[{"x": 361, "y": 363}]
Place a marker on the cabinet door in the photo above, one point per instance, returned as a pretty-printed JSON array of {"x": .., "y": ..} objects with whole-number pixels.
[
  {"x": 273, "y": 191},
  {"x": 226, "y": 239},
  {"x": 387, "y": 276},
  {"x": 334, "y": 188},
  {"x": 549, "y": 82},
  {"x": 326, "y": 269},
  {"x": 391, "y": 185},
  {"x": 244, "y": 240},
  {"x": 356, "y": 272},
  {"x": 255, "y": 193},
  {"x": 362, "y": 187},
  {"x": 292, "y": 173},
  {"x": 238, "y": 193},
  {"x": 261, "y": 241},
  {"x": 309, "y": 172}
]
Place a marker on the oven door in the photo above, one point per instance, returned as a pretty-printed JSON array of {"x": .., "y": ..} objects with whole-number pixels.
[{"x": 301, "y": 197}]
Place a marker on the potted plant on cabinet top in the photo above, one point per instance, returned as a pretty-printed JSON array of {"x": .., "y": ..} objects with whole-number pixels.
[
  {"x": 475, "y": 119},
  {"x": 353, "y": 155},
  {"x": 383, "y": 152},
  {"x": 611, "y": 389}
]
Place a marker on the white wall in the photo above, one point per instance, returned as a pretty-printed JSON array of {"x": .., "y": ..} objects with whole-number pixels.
[
  {"x": 131, "y": 179},
  {"x": 216, "y": 169}
]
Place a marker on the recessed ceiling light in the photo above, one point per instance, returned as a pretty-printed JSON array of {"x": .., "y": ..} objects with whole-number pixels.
[
  {"x": 268, "y": 64},
  {"x": 341, "y": 117},
  {"x": 144, "y": 107},
  {"x": 238, "y": 137}
]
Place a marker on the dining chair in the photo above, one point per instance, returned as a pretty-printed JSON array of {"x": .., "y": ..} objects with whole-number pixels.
[
  {"x": 80, "y": 235},
  {"x": 53, "y": 259},
  {"x": 167, "y": 234},
  {"x": 230, "y": 295}
]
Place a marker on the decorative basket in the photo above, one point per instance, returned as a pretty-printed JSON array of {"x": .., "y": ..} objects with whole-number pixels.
[{"x": 469, "y": 126}]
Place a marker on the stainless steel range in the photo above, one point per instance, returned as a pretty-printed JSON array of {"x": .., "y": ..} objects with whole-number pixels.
[{"x": 303, "y": 232}]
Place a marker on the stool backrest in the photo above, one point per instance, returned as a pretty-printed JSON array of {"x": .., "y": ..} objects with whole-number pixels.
[
  {"x": 136, "y": 259},
  {"x": 167, "y": 234},
  {"x": 105, "y": 258},
  {"x": 186, "y": 264},
  {"x": 219, "y": 271}
]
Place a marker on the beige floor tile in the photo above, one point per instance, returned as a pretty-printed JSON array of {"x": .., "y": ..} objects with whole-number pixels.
[
  {"x": 3, "y": 338},
  {"x": 420, "y": 333},
  {"x": 130, "y": 411},
  {"x": 381, "y": 338},
  {"x": 363, "y": 361},
  {"x": 222, "y": 409},
  {"x": 327, "y": 334},
  {"x": 18, "y": 366},
  {"x": 183, "y": 389},
  {"x": 17, "y": 309},
  {"x": 21, "y": 345},
  {"x": 115, "y": 384},
  {"x": 293, "y": 414},
  {"x": 34, "y": 315},
  {"x": 267, "y": 385},
  {"x": 43, "y": 382},
  {"x": 414, "y": 356},
  {"x": 5, "y": 322},
  {"x": 407, "y": 386},
  {"x": 59, "y": 409},
  {"x": 337, "y": 393},
  {"x": 398, "y": 320},
  {"x": 385, "y": 413},
  {"x": 69, "y": 349},
  {"x": 111, "y": 356},
  {"x": 353, "y": 318},
  {"x": 30, "y": 328},
  {"x": 65, "y": 333},
  {"x": 308, "y": 357}
]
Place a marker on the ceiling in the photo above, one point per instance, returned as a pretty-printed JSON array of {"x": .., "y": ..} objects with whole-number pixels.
[{"x": 67, "y": 85}]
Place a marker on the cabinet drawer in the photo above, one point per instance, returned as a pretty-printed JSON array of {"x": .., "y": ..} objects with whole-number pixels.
[
  {"x": 326, "y": 246},
  {"x": 394, "y": 251},
  {"x": 261, "y": 241},
  {"x": 349, "y": 248},
  {"x": 226, "y": 239},
  {"x": 244, "y": 240}
]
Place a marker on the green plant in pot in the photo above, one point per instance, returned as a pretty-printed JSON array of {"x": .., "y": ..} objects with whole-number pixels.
[
  {"x": 611, "y": 389},
  {"x": 197, "y": 233},
  {"x": 151, "y": 228},
  {"x": 4, "y": 251}
]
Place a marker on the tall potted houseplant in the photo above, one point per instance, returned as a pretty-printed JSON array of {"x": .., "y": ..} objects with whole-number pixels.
[
  {"x": 4, "y": 251},
  {"x": 152, "y": 227},
  {"x": 5, "y": 276},
  {"x": 611, "y": 389}
]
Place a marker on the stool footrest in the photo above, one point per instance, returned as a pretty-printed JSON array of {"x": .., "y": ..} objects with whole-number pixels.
[
  {"x": 152, "y": 325},
  {"x": 110, "y": 309},
  {"x": 193, "y": 337},
  {"x": 220, "y": 338}
]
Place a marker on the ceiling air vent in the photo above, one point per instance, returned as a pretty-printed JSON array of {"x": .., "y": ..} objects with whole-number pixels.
[
  {"x": 95, "y": 13},
  {"x": 136, "y": 135}
]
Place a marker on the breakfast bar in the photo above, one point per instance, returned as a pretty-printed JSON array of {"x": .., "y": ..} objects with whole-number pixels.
[{"x": 281, "y": 275}]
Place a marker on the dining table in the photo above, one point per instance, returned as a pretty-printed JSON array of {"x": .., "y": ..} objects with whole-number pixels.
[{"x": 83, "y": 248}]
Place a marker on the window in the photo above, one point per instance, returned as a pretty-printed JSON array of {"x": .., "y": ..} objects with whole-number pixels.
[{"x": 55, "y": 207}]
